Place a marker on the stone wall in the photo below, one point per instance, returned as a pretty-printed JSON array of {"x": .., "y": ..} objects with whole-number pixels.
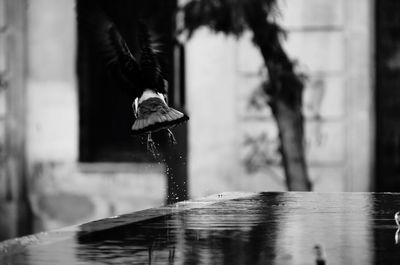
[
  {"x": 62, "y": 194},
  {"x": 12, "y": 118},
  {"x": 51, "y": 85}
]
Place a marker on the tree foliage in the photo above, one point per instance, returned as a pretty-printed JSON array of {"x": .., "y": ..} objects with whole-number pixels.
[
  {"x": 227, "y": 16},
  {"x": 233, "y": 17}
]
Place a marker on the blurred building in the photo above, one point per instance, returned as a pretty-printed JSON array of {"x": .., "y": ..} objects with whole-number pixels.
[
  {"x": 332, "y": 42},
  {"x": 232, "y": 138}
]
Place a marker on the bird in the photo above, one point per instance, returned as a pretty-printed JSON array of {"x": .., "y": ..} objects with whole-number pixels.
[
  {"x": 140, "y": 72},
  {"x": 397, "y": 219},
  {"x": 320, "y": 258}
]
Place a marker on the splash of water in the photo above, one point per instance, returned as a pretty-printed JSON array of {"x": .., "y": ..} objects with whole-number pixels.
[
  {"x": 152, "y": 146},
  {"x": 171, "y": 137}
]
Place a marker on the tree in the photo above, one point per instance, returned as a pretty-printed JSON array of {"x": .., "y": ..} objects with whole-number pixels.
[{"x": 284, "y": 87}]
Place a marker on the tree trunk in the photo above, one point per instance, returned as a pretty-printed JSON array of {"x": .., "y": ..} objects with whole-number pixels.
[
  {"x": 290, "y": 125},
  {"x": 284, "y": 88}
]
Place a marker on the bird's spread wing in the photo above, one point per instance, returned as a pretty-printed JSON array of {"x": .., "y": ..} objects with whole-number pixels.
[
  {"x": 110, "y": 45},
  {"x": 151, "y": 74}
]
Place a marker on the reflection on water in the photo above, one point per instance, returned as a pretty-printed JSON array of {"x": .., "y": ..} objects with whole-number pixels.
[
  {"x": 218, "y": 234},
  {"x": 335, "y": 223},
  {"x": 385, "y": 228},
  {"x": 271, "y": 228}
]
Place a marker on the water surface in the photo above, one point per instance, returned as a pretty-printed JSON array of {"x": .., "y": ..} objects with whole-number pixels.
[{"x": 265, "y": 228}]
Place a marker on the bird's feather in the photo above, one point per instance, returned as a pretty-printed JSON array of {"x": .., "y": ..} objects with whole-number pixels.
[{"x": 111, "y": 47}]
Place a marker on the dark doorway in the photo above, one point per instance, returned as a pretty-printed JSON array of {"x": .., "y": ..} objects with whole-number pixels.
[{"x": 388, "y": 95}]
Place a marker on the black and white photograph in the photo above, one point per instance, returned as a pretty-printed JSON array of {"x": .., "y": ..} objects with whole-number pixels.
[{"x": 221, "y": 132}]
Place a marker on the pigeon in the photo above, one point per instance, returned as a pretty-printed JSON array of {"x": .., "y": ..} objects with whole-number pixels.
[
  {"x": 320, "y": 258},
  {"x": 139, "y": 70},
  {"x": 397, "y": 219}
]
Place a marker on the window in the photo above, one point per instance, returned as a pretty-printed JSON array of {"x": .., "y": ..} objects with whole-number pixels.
[{"x": 105, "y": 110}]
